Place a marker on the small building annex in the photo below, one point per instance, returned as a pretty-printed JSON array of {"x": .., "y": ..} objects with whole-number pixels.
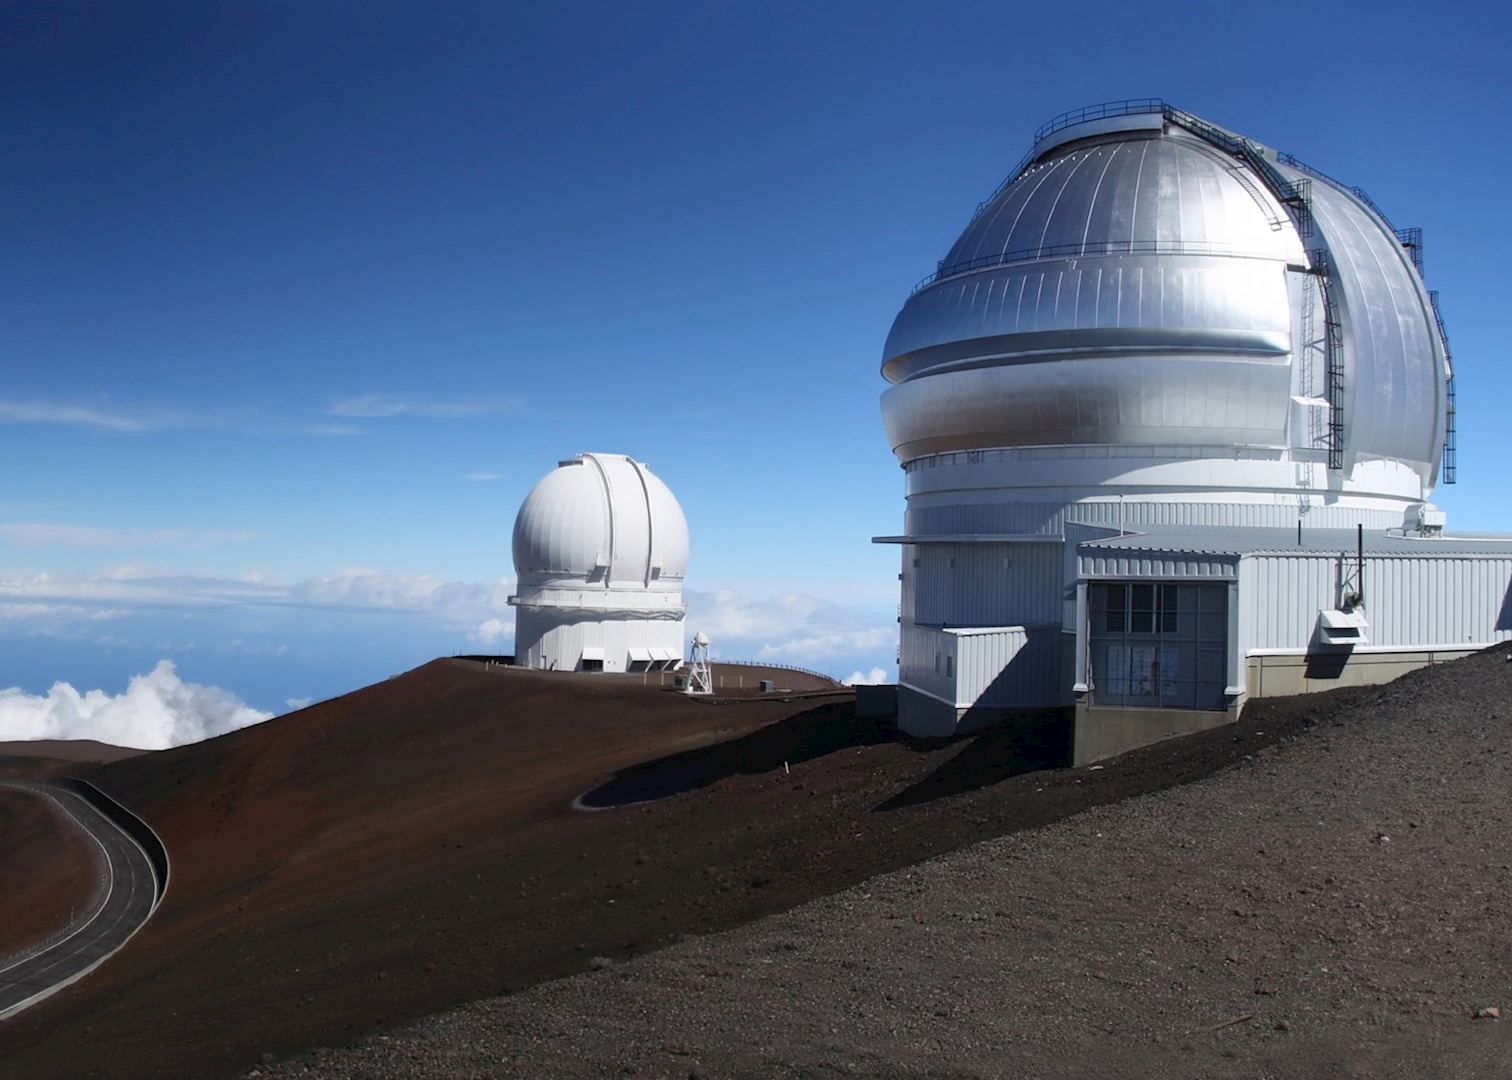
[{"x": 1170, "y": 412}]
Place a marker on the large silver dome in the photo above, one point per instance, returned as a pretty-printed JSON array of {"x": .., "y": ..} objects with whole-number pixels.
[{"x": 1142, "y": 283}]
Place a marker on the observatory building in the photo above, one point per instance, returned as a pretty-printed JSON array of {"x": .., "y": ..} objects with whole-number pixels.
[
  {"x": 1169, "y": 413},
  {"x": 600, "y": 550}
]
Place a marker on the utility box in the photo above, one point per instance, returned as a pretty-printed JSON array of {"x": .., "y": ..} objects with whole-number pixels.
[{"x": 1346, "y": 628}]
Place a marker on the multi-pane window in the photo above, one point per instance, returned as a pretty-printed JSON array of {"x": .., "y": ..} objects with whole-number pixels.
[{"x": 1158, "y": 645}]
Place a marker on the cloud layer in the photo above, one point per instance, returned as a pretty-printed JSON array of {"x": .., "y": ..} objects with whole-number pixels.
[
  {"x": 380, "y": 406},
  {"x": 157, "y": 710},
  {"x": 129, "y": 587},
  {"x": 793, "y": 628}
]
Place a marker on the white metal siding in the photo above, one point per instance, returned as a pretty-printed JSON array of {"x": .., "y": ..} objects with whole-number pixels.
[
  {"x": 988, "y": 584},
  {"x": 1157, "y": 565},
  {"x": 555, "y": 640},
  {"x": 1015, "y": 667},
  {"x": 916, "y": 660},
  {"x": 1003, "y": 667},
  {"x": 1053, "y": 518},
  {"x": 1410, "y": 601}
]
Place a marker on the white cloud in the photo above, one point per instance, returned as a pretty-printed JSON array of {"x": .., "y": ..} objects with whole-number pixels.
[
  {"x": 485, "y": 477},
  {"x": 157, "y": 710},
  {"x": 378, "y": 406},
  {"x": 46, "y": 412},
  {"x": 866, "y": 678},
  {"x": 47, "y": 534},
  {"x": 795, "y": 628},
  {"x": 294, "y": 704},
  {"x": 455, "y": 603},
  {"x": 493, "y": 632}
]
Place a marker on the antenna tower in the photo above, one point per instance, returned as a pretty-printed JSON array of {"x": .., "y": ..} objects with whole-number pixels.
[{"x": 699, "y": 680}]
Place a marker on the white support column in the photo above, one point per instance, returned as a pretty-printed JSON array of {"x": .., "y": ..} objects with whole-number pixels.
[
  {"x": 1079, "y": 685},
  {"x": 1233, "y": 647}
]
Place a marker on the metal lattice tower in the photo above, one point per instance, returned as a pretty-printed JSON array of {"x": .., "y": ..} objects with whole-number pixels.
[{"x": 699, "y": 679}]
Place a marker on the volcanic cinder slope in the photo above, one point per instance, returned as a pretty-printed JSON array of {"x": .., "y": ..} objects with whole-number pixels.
[
  {"x": 376, "y": 857},
  {"x": 414, "y": 845},
  {"x": 1335, "y": 906}
]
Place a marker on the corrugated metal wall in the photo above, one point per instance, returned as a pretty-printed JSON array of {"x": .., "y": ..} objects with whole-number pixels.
[
  {"x": 544, "y": 638},
  {"x": 1051, "y": 518},
  {"x": 1016, "y": 667},
  {"x": 1007, "y": 667},
  {"x": 1410, "y": 601},
  {"x": 1142, "y": 564},
  {"x": 988, "y": 584},
  {"x": 917, "y": 663}
]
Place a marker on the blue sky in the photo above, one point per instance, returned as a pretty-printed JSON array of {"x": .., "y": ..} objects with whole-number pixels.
[{"x": 299, "y": 300}]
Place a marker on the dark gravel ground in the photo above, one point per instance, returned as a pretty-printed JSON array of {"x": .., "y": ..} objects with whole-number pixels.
[{"x": 1334, "y": 904}]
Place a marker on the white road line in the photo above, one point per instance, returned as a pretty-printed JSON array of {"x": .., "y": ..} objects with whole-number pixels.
[
  {"x": 101, "y": 939},
  {"x": 109, "y": 870}
]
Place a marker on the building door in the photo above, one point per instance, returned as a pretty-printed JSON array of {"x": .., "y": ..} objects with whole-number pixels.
[{"x": 1158, "y": 646}]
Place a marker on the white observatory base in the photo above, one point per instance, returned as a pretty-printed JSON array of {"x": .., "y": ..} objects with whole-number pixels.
[{"x": 558, "y": 639}]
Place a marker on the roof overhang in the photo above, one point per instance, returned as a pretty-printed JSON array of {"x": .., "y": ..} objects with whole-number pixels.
[{"x": 973, "y": 538}]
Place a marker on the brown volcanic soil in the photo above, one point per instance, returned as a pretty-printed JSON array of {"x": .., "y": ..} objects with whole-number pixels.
[
  {"x": 39, "y": 759},
  {"x": 87, "y": 750},
  {"x": 412, "y": 845},
  {"x": 1336, "y": 905},
  {"x": 49, "y": 868}
]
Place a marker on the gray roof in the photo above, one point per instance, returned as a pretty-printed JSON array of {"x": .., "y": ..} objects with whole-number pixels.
[{"x": 1208, "y": 540}]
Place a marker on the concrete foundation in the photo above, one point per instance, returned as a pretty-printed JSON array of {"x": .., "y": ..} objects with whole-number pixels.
[
  {"x": 1280, "y": 675},
  {"x": 1103, "y": 733}
]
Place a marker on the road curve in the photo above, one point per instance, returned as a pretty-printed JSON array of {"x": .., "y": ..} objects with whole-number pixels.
[{"x": 131, "y": 895}]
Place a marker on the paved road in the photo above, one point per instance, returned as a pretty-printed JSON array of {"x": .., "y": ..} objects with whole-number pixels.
[{"x": 130, "y": 896}]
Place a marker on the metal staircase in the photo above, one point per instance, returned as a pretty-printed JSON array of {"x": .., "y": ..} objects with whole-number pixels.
[
  {"x": 1450, "y": 463},
  {"x": 1306, "y": 375},
  {"x": 1333, "y": 357}
]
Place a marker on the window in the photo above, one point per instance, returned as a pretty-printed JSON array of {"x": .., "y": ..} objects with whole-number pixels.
[
  {"x": 1158, "y": 645},
  {"x": 950, "y": 667}
]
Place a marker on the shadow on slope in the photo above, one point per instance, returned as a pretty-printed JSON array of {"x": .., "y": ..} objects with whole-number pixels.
[
  {"x": 792, "y": 741},
  {"x": 1026, "y": 744}
]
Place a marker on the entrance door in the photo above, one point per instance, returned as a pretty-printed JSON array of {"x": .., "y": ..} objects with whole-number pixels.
[{"x": 1158, "y": 645}]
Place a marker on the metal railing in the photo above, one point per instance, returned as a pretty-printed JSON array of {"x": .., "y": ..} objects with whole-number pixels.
[
  {"x": 1409, "y": 238},
  {"x": 1294, "y": 196},
  {"x": 1451, "y": 462},
  {"x": 781, "y": 667},
  {"x": 1072, "y": 251}
]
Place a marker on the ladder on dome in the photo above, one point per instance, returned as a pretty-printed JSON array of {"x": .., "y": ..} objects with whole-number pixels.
[
  {"x": 1333, "y": 356},
  {"x": 1449, "y": 448},
  {"x": 1294, "y": 195},
  {"x": 1306, "y": 375}
]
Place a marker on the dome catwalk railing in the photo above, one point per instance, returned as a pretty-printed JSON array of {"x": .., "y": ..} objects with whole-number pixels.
[
  {"x": 1293, "y": 195},
  {"x": 1068, "y": 251}
]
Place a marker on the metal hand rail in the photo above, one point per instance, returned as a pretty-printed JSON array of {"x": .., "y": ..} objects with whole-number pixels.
[
  {"x": 1410, "y": 238},
  {"x": 1292, "y": 195},
  {"x": 1091, "y": 247},
  {"x": 1451, "y": 454},
  {"x": 770, "y": 664}
]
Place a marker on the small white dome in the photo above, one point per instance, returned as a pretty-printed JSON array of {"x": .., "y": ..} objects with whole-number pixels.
[{"x": 604, "y": 520}]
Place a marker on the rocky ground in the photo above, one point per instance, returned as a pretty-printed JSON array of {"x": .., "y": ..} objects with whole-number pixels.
[{"x": 1338, "y": 903}]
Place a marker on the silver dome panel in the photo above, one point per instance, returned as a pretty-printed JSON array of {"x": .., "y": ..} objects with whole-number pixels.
[{"x": 1140, "y": 286}]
